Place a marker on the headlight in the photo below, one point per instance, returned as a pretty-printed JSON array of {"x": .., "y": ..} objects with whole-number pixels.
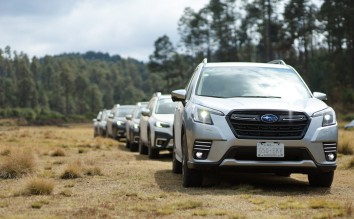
[
  {"x": 329, "y": 116},
  {"x": 120, "y": 123},
  {"x": 136, "y": 126},
  {"x": 162, "y": 124},
  {"x": 202, "y": 114}
]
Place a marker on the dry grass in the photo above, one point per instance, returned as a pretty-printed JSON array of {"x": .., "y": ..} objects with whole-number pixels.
[
  {"x": 351, "y": 164},
  {"x": 38, "y": 186},
  {"x": 72, "y": 171},
  {"x": 147, "y": 189},
  {"x": 16, "y": 164},
  {"x": 58, "y": 152},
  {"x": 346, "y": 142}
]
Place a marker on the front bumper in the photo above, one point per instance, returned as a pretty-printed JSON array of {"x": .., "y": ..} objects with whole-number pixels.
[
  {"x": 121, "y": 131},
  {"x": 163, "y": 141},
  {"x": 225, "y": 151}
]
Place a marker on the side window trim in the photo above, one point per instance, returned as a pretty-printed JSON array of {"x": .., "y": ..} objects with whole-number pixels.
[{"x": 190, "y": 85}]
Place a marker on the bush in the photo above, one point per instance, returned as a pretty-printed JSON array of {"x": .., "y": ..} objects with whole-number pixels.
[
  {"x": 72, "y": 171},
  {"x": 16, "y": 164},
  {"x": 38, "y": 186},
  {"x": 59, "y": 152}
]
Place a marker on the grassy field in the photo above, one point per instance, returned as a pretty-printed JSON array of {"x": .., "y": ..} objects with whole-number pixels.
[{"x": 63, "y": 172}]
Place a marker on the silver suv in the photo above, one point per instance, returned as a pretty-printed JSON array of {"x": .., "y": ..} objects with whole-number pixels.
[
  {"x": 156, "y": 126},
  {"x": 253, "y": 117}
]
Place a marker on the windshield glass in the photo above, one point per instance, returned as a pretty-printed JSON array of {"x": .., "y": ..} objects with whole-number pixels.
[
  {"x": 165, "y": 106},
  {"x": 137, "y": 113},
  {"x": 122, "y": 112},
  {"x": 252, "y": 82}
]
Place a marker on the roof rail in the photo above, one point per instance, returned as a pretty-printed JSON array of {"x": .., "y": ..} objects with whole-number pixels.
[
  {"x": 156, "y": 94},
  {"x": 277, "y": 61},
  {"x": 205, "y": 60}
]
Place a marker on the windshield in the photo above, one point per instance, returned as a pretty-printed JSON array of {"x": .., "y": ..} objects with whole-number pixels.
[
  {"x": 122, "y": 112},
  {"x": 137, "y": 113},
  {"x": 165, "y": 106},
  {"x": 252, "y": 82}
]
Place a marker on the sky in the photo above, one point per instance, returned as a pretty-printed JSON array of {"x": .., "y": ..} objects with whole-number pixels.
[{"x": 127, "y": 28}]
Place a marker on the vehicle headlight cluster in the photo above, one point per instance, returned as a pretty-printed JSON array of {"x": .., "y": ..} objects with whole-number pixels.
[
  {"x": 120, "y": 123},
  {"x": 160, "y": 124},
  {"x": 329, "y": 116},
  {"x": 202, "y": 114}
]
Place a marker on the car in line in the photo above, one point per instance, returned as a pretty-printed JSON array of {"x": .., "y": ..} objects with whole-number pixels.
[
  {"x": 132, "y": 127},
  {"x": 116, "y": 121},
  {"x": 156, "y": 126},
  {"x": 102, "y": 123},
  {"x": 252, "y": 117},
  {"x": 96, "y": 124},
  {"x": 349, "y": 125}
]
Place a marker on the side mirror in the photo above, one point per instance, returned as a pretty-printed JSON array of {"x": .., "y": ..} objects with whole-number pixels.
[
  {"x": 111, "y": 116},
  {"x": 178, "y": 95},
  {"x": 128, "y": 117},
  {"x": 145, "y": 112},
  {"x": 94, "y": 120},
  {"x": 320, "y": 96}
]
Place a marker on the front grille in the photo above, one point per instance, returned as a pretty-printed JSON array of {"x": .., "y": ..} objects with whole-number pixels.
[
  {"x": 250, "y": 153},
  {"x": 288, "y": 125}
]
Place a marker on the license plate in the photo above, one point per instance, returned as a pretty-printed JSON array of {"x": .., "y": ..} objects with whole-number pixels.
[{"x": 270, "y": 149}]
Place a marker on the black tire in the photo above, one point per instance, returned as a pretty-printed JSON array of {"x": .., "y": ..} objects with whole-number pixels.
[
  {"x": 142, "y": 148},
  {"x": 321, "y": 179},
  {"x": 153, "y": 153},
  {"x": 176, "y": 165},
  {"x": 127, "y": 144},
  {"x": 190, "y": 177},
  {"x": 134, "y": 147}
]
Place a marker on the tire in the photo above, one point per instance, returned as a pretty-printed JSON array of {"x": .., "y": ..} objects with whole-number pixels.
[
  {"x": 321, "y": 179},
  {"x": 153, "y": 153},
  {"x": 127, "y": 144},
  {"x": 134, "y": 147},
  {"x": 142, "y": 148},
  {"x": 190, "y": 177},
  {"x": 176, "y": 165}
]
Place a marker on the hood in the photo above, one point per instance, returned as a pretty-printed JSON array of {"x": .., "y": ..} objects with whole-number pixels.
[
  {"x": 164, "y": 117},
  {"x": 225, "y": 105}
]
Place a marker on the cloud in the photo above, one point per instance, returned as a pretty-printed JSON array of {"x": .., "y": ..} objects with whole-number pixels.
[{"x": 124, "y": 27}]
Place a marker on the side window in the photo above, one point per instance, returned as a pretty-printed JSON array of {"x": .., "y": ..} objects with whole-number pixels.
[{"x": 190, "y": 85}]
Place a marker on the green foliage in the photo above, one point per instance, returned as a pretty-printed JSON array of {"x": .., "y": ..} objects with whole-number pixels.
[{"x": 315, "y": 40}]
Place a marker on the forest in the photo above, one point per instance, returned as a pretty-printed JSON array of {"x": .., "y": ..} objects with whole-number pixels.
[{"x": 315, "y": 37}]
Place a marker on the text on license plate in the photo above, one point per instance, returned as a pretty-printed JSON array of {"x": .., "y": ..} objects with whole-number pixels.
[{"x": 270, "y": 149}]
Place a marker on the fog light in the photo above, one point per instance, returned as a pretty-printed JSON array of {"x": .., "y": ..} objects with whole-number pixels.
[
  {"x": 331, "y": 156},
  {"x": 199, "y": 154}
]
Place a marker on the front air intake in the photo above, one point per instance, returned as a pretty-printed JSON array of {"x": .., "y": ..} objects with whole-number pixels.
[
  {"x": 201, "y": 149},
  {"x": 268, "y": 124}
]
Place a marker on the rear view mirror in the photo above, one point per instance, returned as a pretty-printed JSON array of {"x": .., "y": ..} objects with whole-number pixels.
[
  {"x": 128, "y": 117},
  {"x": 178, "y": 95},
  {"x": 320, "y": 96},
  {"x": 145, "y": 112}
]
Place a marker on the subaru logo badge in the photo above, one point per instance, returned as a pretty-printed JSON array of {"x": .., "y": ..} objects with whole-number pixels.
[{"x": 269, "y": 118}]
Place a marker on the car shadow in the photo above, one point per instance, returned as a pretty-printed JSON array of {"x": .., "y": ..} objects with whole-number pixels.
[
  {"x": 240, "y": 183},
  {"x": 163, "y": 157}
]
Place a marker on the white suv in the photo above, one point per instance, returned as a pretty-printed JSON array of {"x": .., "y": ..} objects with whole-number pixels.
[
  {"x": 156, "y": 126},
  {"x": 253, "y": 117}
]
